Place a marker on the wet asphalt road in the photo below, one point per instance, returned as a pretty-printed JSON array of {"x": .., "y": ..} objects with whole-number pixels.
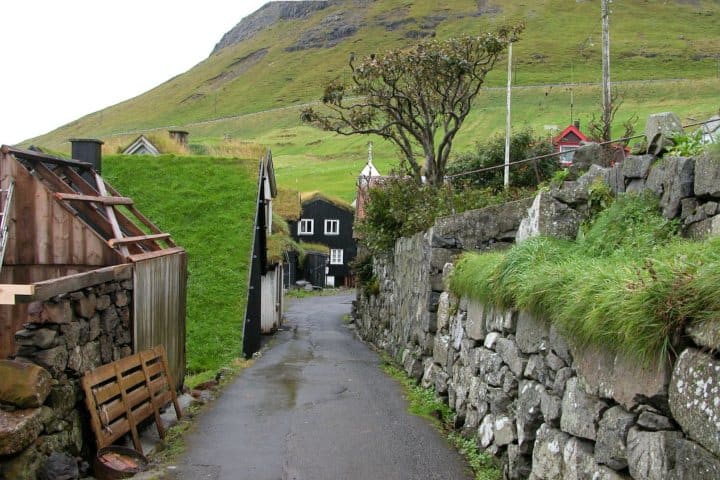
[{"x": 316, "y": 406}]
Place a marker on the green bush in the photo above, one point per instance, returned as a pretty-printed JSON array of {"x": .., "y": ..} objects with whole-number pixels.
[
  {"x": 523, "y": 145},
  {"x": 399, "y": 207}
]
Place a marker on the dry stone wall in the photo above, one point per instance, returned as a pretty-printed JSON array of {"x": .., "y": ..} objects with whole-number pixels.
[
  {"x": 549, "y": 409},
  {"x": 41, "y": 401}
]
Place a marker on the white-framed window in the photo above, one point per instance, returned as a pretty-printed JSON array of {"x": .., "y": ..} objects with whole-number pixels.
[
  {"x": 567, "y": 154},
  {"x": 336, "y": 256},
  {"x": 306, "y": 226},
  {"x": 332, "y": 227}
]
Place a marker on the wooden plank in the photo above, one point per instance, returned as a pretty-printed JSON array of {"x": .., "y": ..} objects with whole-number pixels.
[
  {"x": 150, "y": 255},
  {"x": 43, "y": 157},
  {"x": 146, "y": 357},
  {"x": 143, "y": 219},
  {"x": 71, "y": 283},
  {"x": 110, "y": 212},
  {"x": 8, "y": 293},
  {"x": 84, "y": 187},
  {"x": 105, "y": 200},
  {"x": 119, "y": 241},
  {"x": 160, "y": 351},
  {"x": 131, "y": 419}
]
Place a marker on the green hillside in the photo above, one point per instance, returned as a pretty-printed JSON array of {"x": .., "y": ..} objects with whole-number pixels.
[
  {"x": 667, "y": 51},
  {"x": 208, "y": 205}
]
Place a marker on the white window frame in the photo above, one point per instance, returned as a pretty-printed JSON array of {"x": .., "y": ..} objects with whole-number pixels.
[
  {"x": 328, "y": 223},
  {"x": 306, "y": 226},
  {"x": 335, "y": 257}
]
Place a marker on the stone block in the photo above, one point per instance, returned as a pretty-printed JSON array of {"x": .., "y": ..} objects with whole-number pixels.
[
  {"x": 529, "y": 412},
  {"x": 486, "y": 431},
  {"x": 548, "y": 453},
  {"x": 580, "y": 411},
  {"x": 695, "y": 397},
  {"x": 23, "y": 466},
  {"x": 19, "y": 429},
  {"x": 71, "y": 333},
  {"x": 637, "y": 166},
  {"x": 584, "y": 157},
  {"x": 490, "y": 339},
  {"x": 655, "y": 178},
  {"x": 85, "y": 305},
  {"x": 518, "y": 466},
  {"x": 510, "y": 354},
  {"x": 654, "y": 422},
  {"x": 559, "y": 345},
  {"x": 504, "y": 431},
  {"x": 24, "y": 385},
  {"x": 578, "y": 460},
  {"x": 549, "y": 217},
  {"x": 41, "y": 338},
  {"x": 443, "y": 313},
  {"x": 694, "y": 462},
  {"x": 561, "y": 378},
  {"x": 121, "y": 298},
  {"x": 651, "y": 455},
  {"x": 708, "y": 228},
  {"x": 54, "y": 359},
  {"x": 611, "y": 444},
  {"x": 677, "y": 184},
  {"x": 109, "y": 320},
  {"x": 705, "y": 334},
  {"x": 615, "y": 179},
  {"x": 475, "y": 321},
  {"x": 429, "y": 373},
  {"x": 60, "y": 312},
  {"x": 636, "y": 185},
  {"x": 441, "y": 381},
  {"x": 659, "y": 130},
  {"x": 497, "y": 320},
  {"x": 707, "y": 176},
  {"x": 103, "y": 302},
  {"x": 532, "y": 334},
  {"x": 551, "y": 407}
]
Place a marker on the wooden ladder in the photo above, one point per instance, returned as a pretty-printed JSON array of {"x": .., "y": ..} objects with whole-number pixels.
[{"x": 6, "y": 196}]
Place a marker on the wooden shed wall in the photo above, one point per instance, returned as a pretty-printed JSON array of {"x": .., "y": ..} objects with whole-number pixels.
[
  {"x": 42, "y": 231},
  {"x": 159, "y": 308}
]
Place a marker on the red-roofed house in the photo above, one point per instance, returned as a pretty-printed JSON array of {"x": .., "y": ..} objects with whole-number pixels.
[{"x": 569, "y": 140}]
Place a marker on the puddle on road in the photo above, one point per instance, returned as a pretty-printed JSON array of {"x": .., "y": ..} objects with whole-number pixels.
[{"x": 283, "y": 378}]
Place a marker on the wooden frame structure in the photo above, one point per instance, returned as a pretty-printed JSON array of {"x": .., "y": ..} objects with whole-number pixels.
[
  {"x": 66, "y": 221},
  {"x": 122, "y": 394}
]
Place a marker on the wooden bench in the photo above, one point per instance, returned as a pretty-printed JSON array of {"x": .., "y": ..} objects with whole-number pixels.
[{"x": 122, "y": 394}]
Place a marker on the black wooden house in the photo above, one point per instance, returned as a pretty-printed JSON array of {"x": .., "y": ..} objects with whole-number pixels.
[{"x": 328, "y": 222}]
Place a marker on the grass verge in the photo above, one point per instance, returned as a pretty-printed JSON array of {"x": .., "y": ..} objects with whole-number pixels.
[{"x": 425, "y": 403}]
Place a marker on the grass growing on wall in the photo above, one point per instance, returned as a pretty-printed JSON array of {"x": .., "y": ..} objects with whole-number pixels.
[
  {"x": 629, "y": 284},
  {"x": 208, "y": 205}
]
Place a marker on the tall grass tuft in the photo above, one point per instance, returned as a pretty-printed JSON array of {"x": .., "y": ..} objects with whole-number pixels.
[{"x": 629, "y": 284}]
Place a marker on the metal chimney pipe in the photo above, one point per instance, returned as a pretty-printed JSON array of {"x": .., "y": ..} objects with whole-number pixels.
[{"x": 88, "y": 150}]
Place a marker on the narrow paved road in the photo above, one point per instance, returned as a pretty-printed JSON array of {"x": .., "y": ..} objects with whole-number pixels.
[{"x": 316, "y": 406}]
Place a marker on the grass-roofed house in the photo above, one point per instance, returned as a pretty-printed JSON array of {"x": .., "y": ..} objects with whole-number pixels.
[{"x": 328, "y": 221}]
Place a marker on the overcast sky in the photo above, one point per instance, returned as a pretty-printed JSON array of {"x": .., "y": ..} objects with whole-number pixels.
[{"x": 64, "y": 59}]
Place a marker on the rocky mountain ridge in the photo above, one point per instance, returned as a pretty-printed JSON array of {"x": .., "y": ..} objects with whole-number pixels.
[{"x": 267, "y": 15}]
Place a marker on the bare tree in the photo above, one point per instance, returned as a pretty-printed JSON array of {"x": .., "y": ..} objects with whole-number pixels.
[{"x": 416, "y": 97}]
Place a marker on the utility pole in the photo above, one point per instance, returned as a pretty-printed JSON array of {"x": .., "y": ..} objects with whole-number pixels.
[
  {"x": 507, "y": 128},
  {"x": 607, "y": 98}
]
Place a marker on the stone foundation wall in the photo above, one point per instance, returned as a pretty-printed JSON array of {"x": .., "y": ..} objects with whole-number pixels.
[
  {"x": 549, "y": 409},
  {"x": 65, "y": 337}
]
